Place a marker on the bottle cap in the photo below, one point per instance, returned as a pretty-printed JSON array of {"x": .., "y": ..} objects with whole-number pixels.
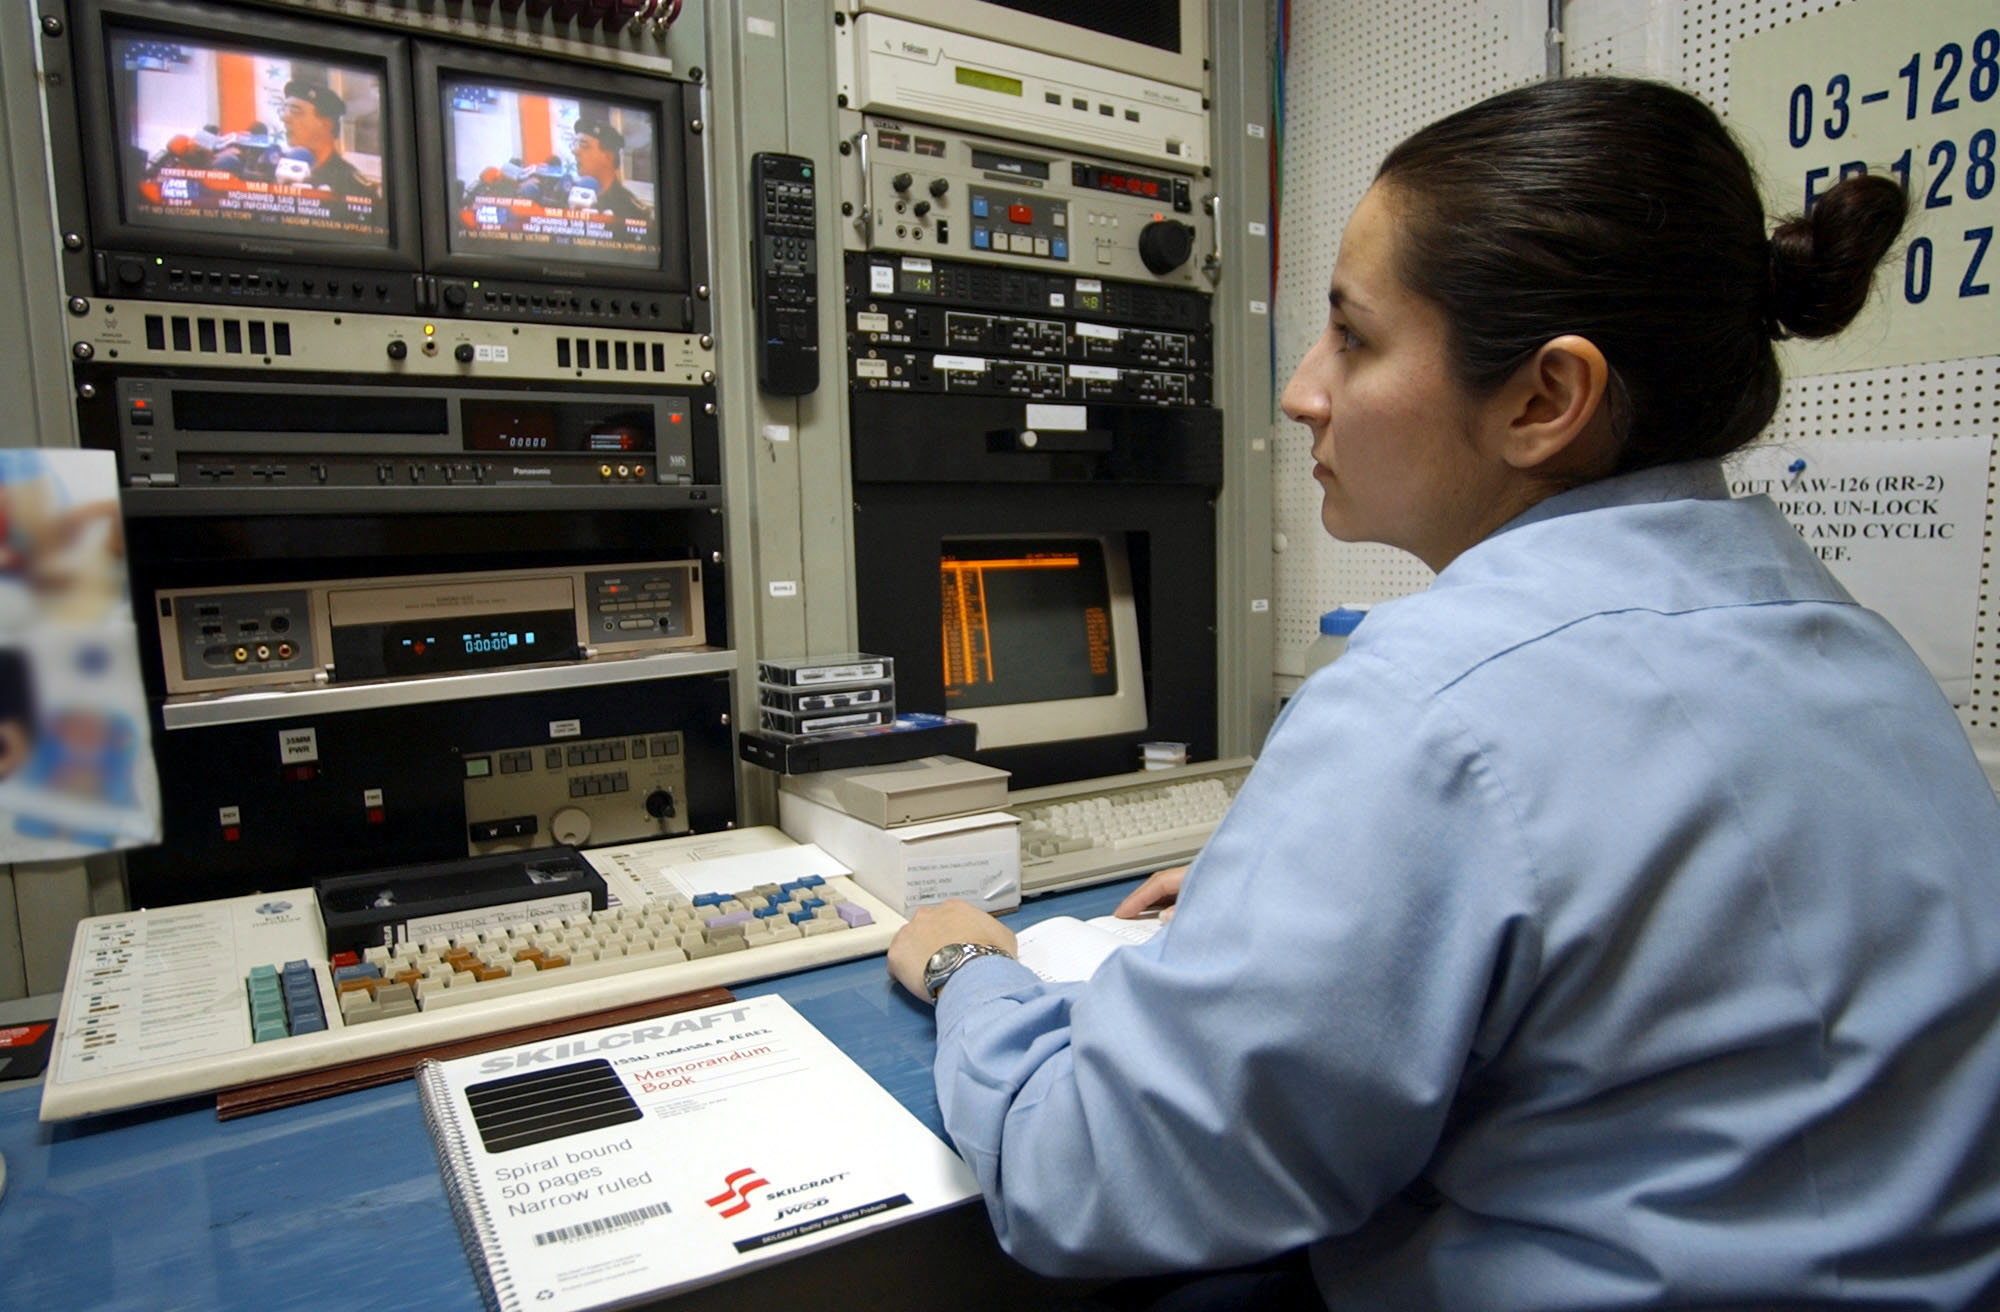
[{"x": 1340, "y": 621}]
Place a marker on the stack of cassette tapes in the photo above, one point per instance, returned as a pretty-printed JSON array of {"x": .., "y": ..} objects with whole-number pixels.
[{"x": 807, "y": 695}]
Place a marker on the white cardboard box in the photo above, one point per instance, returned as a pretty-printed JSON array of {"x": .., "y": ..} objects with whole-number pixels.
[{"x": 976, "y": 857}]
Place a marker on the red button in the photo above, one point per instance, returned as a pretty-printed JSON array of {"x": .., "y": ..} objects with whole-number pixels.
[
  {"x": 230, "y": 833},
  {"x": 1020, "y": 214},
  {"x": 374, "y": 815}
]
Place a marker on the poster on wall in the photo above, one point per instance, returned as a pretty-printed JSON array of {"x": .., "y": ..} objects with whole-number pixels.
[
  {"x": 76, "y": 770},
  {"x": 1911, "y": 90},
  {"x": 1900, "y": 524}
]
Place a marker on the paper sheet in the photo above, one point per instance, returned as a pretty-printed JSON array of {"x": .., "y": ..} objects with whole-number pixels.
[
  {"x": 1065, "y": 948},
  {"x": 1900, "y": 525}
]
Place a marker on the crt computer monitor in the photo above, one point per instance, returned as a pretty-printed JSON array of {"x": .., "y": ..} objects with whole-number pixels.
[
  {"x": 236, "y": 133},
  {"x": 1040, "y": 638},
  {"x": 539, "y": 171}
]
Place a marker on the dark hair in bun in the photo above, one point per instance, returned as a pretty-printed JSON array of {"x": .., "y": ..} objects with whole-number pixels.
[
  {"x": 1823, "y": 261},
  {"x": 1622, "y": 210}
]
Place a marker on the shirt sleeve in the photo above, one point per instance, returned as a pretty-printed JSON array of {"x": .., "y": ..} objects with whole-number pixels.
[{"x": 1281, "y": 1059}]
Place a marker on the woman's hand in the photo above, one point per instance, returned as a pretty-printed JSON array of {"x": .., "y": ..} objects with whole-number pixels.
[
  {"x": 931, "y": 928},
  {"x": 1158, "y": 893}
]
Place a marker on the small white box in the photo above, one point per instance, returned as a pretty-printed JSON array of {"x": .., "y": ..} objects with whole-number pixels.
[
  {"x": 976, "y": 857},
  {"x": 904, "y": 792}
]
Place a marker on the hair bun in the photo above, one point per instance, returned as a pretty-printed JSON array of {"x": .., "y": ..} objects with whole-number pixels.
[{"x": 1823, "y": 261}]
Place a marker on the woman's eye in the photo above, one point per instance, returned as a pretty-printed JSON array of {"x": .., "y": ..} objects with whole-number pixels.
[{"x": 1343, "y": 337}]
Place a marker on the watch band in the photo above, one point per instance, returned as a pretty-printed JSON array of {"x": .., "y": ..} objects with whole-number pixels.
[{"x": 944, "y": 963}]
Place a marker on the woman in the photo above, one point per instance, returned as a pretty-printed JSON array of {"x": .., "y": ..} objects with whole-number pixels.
[{"x": 1617, "y": 923}]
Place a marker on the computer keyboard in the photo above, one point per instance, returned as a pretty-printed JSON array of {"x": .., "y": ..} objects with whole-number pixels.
[
  {"x": 1122, "y": 825},
  {"x": 182, "y": 1000}
]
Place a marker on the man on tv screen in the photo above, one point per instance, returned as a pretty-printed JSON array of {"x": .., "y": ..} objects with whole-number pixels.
[
  {"x": 596, "y": 146},
  {"x": 312, "y": 125}
]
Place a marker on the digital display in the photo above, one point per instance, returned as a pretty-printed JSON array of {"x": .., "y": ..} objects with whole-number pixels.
[
  {"x": 916, "y": 282},
  {"x": 470, "y": 643},
  {"x": 535, "y": 174},
  {"x": 220, "y": 138},
  {"x": 1025, "y": 622},
  {"x": 570, "y": 426},
  {"x": 1132, "y": 184},
  {"x": 973, "y": 77}
]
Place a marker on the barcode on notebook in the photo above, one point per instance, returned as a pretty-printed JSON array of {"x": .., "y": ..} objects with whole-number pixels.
[{"x": 604, "y": 1225}]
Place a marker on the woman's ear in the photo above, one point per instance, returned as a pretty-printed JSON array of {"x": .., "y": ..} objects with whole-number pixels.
[{"x": 1555, "y": 411}]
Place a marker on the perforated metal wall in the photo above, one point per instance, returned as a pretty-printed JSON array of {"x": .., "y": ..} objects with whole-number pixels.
[
  {"x": 1361, "y": 78},
  {"x": 1380, "y": 72}
]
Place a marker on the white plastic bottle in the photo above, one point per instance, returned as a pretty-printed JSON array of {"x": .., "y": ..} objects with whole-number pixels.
[{"x": 1334, "y": 628}]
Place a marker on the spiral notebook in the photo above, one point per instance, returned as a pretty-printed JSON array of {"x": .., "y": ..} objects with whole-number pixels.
[{"x": 611, "y": 1166}]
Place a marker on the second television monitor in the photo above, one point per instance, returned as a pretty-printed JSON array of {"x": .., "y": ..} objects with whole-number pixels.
[{"x": 536, "y": 177}]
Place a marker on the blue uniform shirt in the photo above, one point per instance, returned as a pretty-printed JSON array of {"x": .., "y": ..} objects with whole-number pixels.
[{"x": 1617, "y": 923}]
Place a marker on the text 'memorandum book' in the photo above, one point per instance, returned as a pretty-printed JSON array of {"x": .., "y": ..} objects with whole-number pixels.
[{"x": 612, "y": 1165}]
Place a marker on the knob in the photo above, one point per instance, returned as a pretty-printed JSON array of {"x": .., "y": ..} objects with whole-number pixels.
[
  {"x": 463, "y": 353},
  {"x": 660, "y": 804},
  {"x": 131, "y": 273},
  {"x": 939, "y": 186},
  {"x": 397, "y": 350},
  {"x": 454, "y": 296},
  {"x": 1165, "y": 244},
  {"x": 921, "y": 208},
  {"x": 570, "y": 825},
  {"x": 901, "y": 182}
]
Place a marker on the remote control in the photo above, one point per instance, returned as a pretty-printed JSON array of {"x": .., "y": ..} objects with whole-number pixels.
[{"x": 787, "y": 274}]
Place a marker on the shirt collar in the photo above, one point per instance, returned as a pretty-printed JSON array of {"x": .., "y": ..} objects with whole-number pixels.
[{"x": 1701, "y": 480}]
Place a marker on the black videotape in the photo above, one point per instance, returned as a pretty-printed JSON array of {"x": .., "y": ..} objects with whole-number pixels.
[{"x": 455, "y": 899}]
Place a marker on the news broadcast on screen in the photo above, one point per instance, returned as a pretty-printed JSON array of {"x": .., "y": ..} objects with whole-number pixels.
[
  {"x": 537, "y": 171},
  {"x": 222, "y": 139}
]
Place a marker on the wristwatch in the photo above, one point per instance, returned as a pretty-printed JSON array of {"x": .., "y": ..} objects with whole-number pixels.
[{"x": 946, "y": 960}]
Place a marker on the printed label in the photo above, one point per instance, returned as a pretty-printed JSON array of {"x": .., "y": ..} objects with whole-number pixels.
[{"x": 296, "y": 746}]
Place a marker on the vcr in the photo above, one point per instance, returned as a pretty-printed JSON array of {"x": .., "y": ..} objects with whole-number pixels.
[{"x": 190, "y": 445}]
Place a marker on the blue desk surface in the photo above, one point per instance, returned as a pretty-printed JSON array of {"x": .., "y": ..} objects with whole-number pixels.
[{"x": 339, "y": 1200}]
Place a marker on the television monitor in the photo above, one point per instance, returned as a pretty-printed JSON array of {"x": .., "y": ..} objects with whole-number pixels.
[
  {"x": 231, "y": 132},
  {"x": 1040, "y": 638},
  {"x": 1166, "y": 40},
  {"x": 542, "y": 173}
]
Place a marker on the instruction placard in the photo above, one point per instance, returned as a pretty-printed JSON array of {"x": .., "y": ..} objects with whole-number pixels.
[
  {"x": 1907, "y": 89},
  {"x": 1898, "y": 523}
]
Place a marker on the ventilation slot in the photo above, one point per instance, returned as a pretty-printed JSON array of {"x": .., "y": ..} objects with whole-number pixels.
[
  {"x": 207, "y": 336},
  {"x": 610, "y": 355}
]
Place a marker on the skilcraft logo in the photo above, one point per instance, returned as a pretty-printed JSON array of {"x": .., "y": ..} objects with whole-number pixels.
[{"x": 734, "y": 1200}]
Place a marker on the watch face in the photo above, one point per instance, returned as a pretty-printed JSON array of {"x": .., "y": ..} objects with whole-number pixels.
[{"x": 941, "y": 963}]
